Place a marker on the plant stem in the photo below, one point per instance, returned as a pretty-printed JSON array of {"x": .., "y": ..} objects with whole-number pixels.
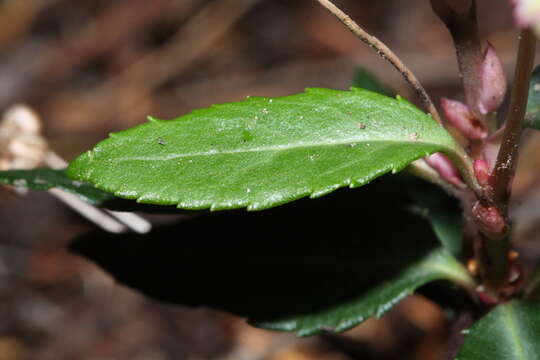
[
  {"x": 494, "y": 257},
  {"x": 386, "y": 54},
  {"x": 507, "y": 157},
  {"x": 463, "y": 28}
]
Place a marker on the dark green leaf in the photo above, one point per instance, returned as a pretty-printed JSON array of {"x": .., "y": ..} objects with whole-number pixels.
[
  {"x": 261, "y": 152},
  {"x": 308, "y": 266},
  {"x": 442, "y": 210},
  {"x": 532, "y": 116},
  {"x": 367, "y": 80},
  {"x": 45, "y": 179},
  {"x": 509, "y": 332},
  {"x": 377, "y": 301}
]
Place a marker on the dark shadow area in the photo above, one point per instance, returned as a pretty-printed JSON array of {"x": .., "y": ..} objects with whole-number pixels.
[{"x": 296, "y": 258}]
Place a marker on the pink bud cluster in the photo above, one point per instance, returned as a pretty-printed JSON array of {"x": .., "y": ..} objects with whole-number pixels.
[{"x": 469, "y": 120}]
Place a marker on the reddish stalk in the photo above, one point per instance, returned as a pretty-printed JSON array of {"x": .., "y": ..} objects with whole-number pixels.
[
  {"x": 494, "y": 260},
  {"x": 463, "y": 28},
  {"x": 507, "y": 159}
]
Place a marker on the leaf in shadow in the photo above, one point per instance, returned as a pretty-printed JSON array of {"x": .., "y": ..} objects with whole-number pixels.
[
  {"x": 509, "y": 332},
  {"x": 304, "y": 258}
]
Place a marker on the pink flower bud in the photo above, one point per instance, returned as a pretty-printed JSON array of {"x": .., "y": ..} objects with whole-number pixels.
[
  {"x": 462, "y": 118},
  {"x": 492, "y": 86},
  {"x": 481, "y": 170},
  {"x": 446, "y": 169},
  {"x": 489, "y": 220}
]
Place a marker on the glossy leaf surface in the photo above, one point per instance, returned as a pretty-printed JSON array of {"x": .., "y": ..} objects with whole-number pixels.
[
  {"x": 309, "y": 266},
  {"x": 261, "y": 152},
  {"x": 45, "y": 179},
  {"x": 508, "y": 332}
]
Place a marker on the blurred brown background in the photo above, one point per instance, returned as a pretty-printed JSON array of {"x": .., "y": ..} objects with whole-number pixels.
[{"x": 90, "y": 67}]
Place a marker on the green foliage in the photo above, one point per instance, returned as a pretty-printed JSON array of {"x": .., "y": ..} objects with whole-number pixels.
[
  {"x": 532, "y": 116},
  {"x": 376, "y": 301},
  {"x": 508, "y": 332},
  {"x": 262, "y": 152},
  {"x": 45, "y": 179},
  {"x": 309, "y": 266}
]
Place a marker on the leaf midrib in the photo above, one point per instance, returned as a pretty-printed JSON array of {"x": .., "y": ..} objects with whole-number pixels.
[{"x": 266, "y": 149}]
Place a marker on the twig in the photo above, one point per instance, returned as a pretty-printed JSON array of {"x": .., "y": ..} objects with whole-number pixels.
[
  {"x": 90, "y": 212},
  {"x": 507, "y": 158},
  {"x": 386, "y": 54},
  {"x": 103, "y": 217},
  {"x": 22, "y": 146},
  {"x": 494, "y": 257}
]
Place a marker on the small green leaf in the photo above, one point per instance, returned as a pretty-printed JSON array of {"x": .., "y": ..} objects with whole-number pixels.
[
  {"x": 262, "y": 152},
  {"x": 367, "y": 80},
  {"x": 532, "y": 115},
  {"x": 45, "y": 179},
  {"x": 377, "y": 301},
  {"x": 508, "y": 332}
]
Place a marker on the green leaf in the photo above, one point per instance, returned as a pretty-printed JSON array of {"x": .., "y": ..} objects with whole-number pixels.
[
  {"x": 367, "y": 80},
  {"x": 376, "y": 302},
  {"x": 442, "y": 210},
  {"x": 262, "y": 152},
  {"x": 508, "y": 332},
  {"x": 45, "y": 179},
  {"x": 309, "y": 266},
  {"x": 532, "y": 115}
]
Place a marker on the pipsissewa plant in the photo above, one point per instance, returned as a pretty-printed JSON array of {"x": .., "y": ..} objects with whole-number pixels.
[{"x": 261, "y": 153}]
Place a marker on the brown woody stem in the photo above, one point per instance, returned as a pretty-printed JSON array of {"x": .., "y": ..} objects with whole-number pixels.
[
  {"x": 463, "y": 28},
  {"x": 507, "y": 157},
  {"x": 385, "y": 53},
  {"x": 494, "y": 262}
]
